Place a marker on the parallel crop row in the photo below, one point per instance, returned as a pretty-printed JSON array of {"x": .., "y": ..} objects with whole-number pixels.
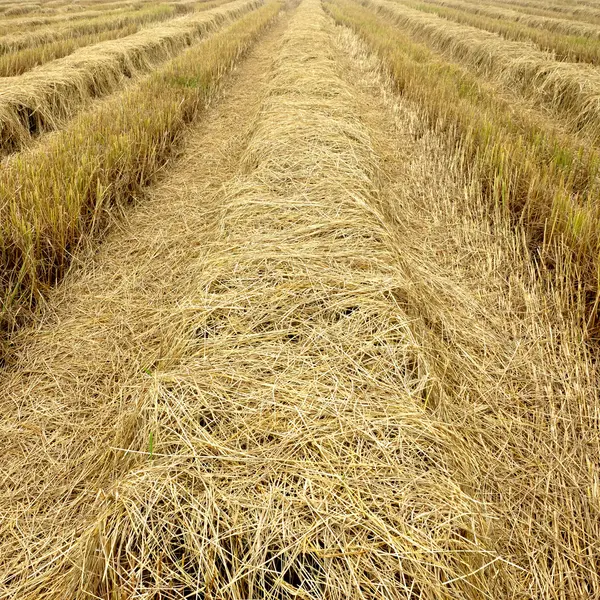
[
  {"x": 588, "y": 14},
  {"x": 563, "y": 25},
  {"x": 545, "y": 177},
  {"x": 20, "y": 9},
  {"x": 31, "y": 23},
  {"x": 85, "y": 27},
  {"x": 54, "y": 196},
  {"x": 569, "y": 90},
  {"x": 43, "y": 99},
  {"x": 26, "y": 51},
  {"x": 581, "y": 45}
]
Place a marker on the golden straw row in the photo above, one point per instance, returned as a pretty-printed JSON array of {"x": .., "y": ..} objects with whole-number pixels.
[
  {"x": 72, "y": 30},
  {"x": 44, "y": 99},
  {"x": 54, "y": 197},
  {"x": 553, "y": 24},
  {"x": 26, "y": 51},
  {"x": 283, "y": 447},
  {"x": 569, "y": 90},
  {"x": 586, "y": 14},
  {"x": 11, "y": 26},
  {"x": 17, "y": 34},
  {"x": 316, "y": 389},
  {"x": 530, "y": 168},
  {"x": 40, "y": 52},
  {"x": 19, "y": 9},
  {"x": 579, "y": 43},
  {"x": 537, "y": 450}
]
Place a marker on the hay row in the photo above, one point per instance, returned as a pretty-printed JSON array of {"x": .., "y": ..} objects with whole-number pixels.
[
  {"x": 476, "y": 319},
  {"x": 293, "y": 455},
  {"x": 557, "y": 5},
  {"x": 10, "y": 26},
  {"x": 63, "y": 8},
  {"x": 45, "y": 46},
  {"x": 569, "y": 90},
  {"x": 21, "y": 61},
  {"x": 44, "y": 99},
  {"x": 21, "y": 9},
  {"x": 71, "y": 13},
  {"x": 72, "y": 30},
  {"x": 569, "y": 47},
  {"x": 532, "y": 471},
  {"x": 584, "y": 14},
  {"x": 548, "y": 180},
  {"x": 294, "y": 386},
  {"x": 63, "y": 193},
  {"x": 553, "y": 24}
]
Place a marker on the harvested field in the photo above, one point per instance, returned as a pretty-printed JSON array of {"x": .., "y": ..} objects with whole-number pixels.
[
  {"x": 45, "y": 98},
  {"x": 86, "y": 27},
  {"x": 581, "y": 12},
  {"x": 29, "y": 24},
  {"x": 25, "y": 51},
  {"x": 568, "y": 89},
  {"x": 302, "y": 306},
  {"x": 504, "y": 13},
  {"x": 567, "y": 40}
]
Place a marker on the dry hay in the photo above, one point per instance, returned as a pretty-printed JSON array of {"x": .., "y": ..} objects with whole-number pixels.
[
  {"x": 292, "y": 451},
  {"x": 86, "y": 27},
  {"x": 503, "y": 13},
  {"x": 316, "y": 402},
  {"x": 502, "y": 340},
  {"x": 44, "y": 98},
  {"x": 569, "y": 89},
  {"x": 9, "y": 26},
  {"x": 588, "y": 13}
]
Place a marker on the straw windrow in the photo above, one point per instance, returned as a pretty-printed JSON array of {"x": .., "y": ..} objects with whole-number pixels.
[
  {"x": 569, "y": 90},
  {"x": 13, "y": 26},
  {"x": 574, "y": 11},
  {"x": 282, "y": 446},
  {"x": 321, "y": 360},
  {"x": 568, "y": 41},
  {"x": 44, "y": 98},
  {"x": 504, "y": 13},
  {"x": 488, "y": 332},
  {"x": 57, "y": 197},
  {"x": 87, "y": 27}
]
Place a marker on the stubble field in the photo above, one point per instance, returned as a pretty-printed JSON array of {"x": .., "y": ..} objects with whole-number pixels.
[{"x": 299, "y": 299}]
